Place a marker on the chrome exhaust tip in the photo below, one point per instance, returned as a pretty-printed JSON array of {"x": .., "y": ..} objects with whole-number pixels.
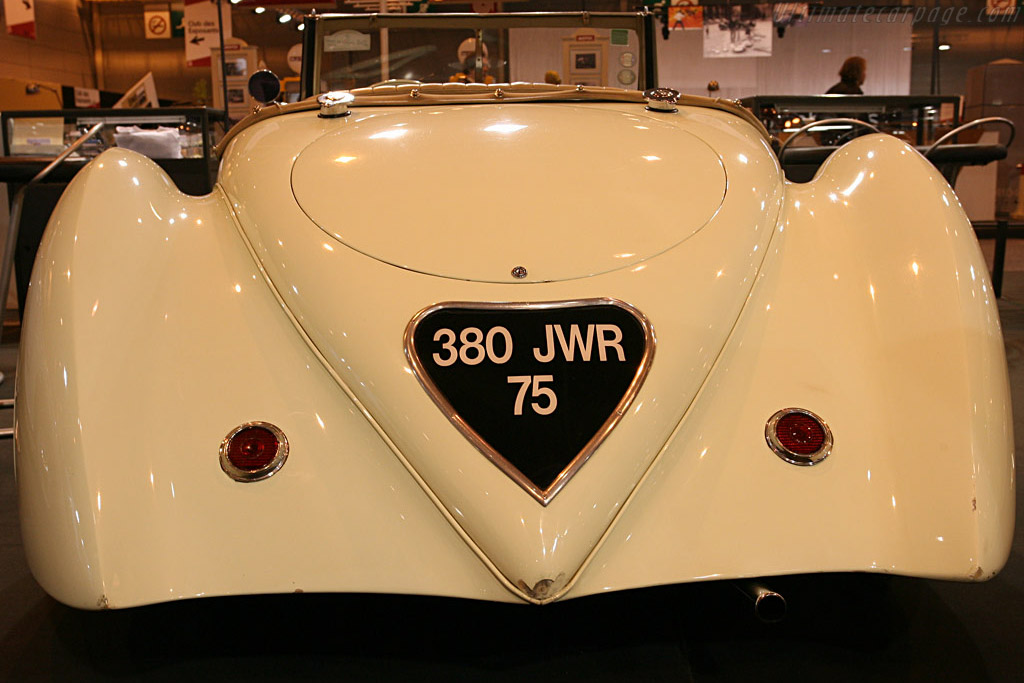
[{"x": 769, "y": 606}]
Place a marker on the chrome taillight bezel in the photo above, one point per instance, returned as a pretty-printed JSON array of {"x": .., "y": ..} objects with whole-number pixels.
[
  {"x": 793, "y": 458},
  {"x": 267, "y": 470}
]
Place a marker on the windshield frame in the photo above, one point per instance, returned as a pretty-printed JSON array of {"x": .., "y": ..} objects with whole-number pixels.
[{"x": 319, "y": 25}]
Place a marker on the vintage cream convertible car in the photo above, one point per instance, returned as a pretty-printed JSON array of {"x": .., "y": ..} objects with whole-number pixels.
[{"x": 507, "y": 342}]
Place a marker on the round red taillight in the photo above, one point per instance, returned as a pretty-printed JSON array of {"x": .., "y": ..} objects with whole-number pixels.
[
  {"x": 253, "y": 451},
  {"x": 798, "y": 436}
]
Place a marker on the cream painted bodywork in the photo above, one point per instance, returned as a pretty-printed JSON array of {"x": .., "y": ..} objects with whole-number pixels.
[{"x": 157, "y": 322}]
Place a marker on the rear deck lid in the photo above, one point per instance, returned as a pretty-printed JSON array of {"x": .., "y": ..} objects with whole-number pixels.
[{"x": 563, "y": 190}]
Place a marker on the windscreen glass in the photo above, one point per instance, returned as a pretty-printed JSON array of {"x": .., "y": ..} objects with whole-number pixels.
[{"x": 576, "y": 56}]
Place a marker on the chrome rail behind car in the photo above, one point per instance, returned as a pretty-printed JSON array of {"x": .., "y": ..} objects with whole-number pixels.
[
  {"x": 973, "y": 124},
  {"x": 6, "y": 432},
  {"x": 818, "y": 124}
]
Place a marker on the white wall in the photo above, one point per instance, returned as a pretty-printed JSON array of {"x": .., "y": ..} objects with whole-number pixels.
[
  {"x": 798, "y": 65},
  {"x": 532, "y": 52}
]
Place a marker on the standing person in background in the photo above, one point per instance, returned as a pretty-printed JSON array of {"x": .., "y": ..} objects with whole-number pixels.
[{"x": 851, "y": 77}]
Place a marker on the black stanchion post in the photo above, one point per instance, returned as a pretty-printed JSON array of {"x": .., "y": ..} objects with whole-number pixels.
[{"x": 223, "y": 64}]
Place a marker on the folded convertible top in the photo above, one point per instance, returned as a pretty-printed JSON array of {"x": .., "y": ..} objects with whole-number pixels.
[{"x": 479, "y": 93}]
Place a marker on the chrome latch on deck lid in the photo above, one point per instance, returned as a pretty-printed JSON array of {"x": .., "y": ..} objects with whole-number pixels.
[
  {"x": 662, "y": 99},
  {"x": 334, "y": 104}
]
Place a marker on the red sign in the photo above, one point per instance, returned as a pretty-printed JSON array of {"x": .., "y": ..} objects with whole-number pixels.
[
  {"x": 288, "y": 4},
  {"x": 21, "y": 18}
]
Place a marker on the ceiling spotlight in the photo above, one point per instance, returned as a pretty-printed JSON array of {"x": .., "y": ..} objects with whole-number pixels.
[
  {"x": 945, "y": 46},
  {"x": 301, "y": 26},
  {"x": 284, "y": 18},
  {"x": 260, "y": 10},
  {"x": 235, "y": 2}
]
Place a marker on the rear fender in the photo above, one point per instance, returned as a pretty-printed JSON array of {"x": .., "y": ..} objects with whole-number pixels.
[
  {"x": 874, "y": 310},
  {"x": 151, "y": 333}
]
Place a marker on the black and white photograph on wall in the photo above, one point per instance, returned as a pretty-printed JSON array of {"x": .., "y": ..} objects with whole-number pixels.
[{"x": 738, "y": 31}]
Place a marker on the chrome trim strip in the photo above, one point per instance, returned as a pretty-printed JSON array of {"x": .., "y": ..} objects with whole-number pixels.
[
  {"x": 255, "y": 475},
  {"x": 543, "y": 496},
  {"x": 478, "y": 93},
  {"x": 788, "y": 455}
]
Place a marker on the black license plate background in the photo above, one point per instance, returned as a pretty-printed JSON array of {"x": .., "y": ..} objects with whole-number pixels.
[{"x": 588, "y": 392}]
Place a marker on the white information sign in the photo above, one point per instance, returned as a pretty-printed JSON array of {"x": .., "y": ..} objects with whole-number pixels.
[
  {"x": 346, "y": 41},
  {"x": 140, "y": 95},
  {"x": 295, "y": 58},
  {"x": 86, "y": 98},
  {"x": 201, "y": 32}
]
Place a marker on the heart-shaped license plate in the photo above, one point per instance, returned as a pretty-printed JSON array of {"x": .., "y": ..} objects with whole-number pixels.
[{"x": 536, "y": 387}]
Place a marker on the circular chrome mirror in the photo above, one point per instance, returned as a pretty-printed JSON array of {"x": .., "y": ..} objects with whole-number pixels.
[{"x": 264, "y": 86}]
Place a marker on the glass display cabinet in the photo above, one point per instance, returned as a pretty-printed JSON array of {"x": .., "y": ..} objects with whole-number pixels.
[
  {"x": 920, "y": 120},
  {"x": 180, "y": 140},
  {"x": 928, "y": 122}
]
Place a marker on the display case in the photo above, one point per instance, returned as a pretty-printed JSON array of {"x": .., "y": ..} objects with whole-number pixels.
[
  {"x": 921, "y": 121},
  {"x": 918, "y": 119},
  {"x": 180, "y": 140}
]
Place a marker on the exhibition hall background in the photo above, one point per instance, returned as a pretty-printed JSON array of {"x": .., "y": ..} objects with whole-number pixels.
[{"x": 102, "y": 44}]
